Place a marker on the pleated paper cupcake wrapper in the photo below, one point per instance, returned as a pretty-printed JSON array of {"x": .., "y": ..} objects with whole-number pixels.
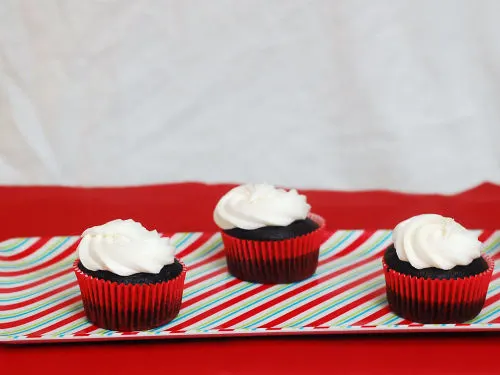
[
  {"x": 437, "y": 301},
  {"x": 275, "y": 262},
  {"x": 130, "y": 307}
]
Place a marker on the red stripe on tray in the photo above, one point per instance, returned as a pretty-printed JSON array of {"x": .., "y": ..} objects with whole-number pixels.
[
  {"x": 38, "y": 298},
  {"x": 349, "y": 306},
  {"x": 357, "y": 244},
  {"x": 69, "y": 251},
  {"x": 495, "y": 276},
  {"x": 28, "y": 251},
  {"x": 485, "y": 235},
  {"x": 405, "y": 322},
  {"x": 31, "y": 318},
  {"x": 299, "y": 310},
  {"x": 370, "y": 318},
  {"x": 210, "y": 259},
  {"x": 56, "y": 325},
  {"x": 35, "y": 283},
  {"x": 491, "y": 300},
  {"x": 85, "y": 331},
  {"x": 351, "y": 247},
  {"x": 205, "y": 277},
  {"x": 279, "y": 299},
  {"x": 496, "y": 320},
  {"x": 210, "y": 292},
  {"x": 200, "y": 241}
]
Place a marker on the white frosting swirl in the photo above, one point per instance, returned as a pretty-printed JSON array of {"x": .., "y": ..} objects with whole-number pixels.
[
  {"x": 432, "y": 240},
  {"x": 124, "y": 247},
  {"x": 259, "y": 205}
]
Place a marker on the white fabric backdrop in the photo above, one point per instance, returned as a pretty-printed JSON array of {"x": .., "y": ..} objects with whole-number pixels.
[{"x": 338, "y": 94}]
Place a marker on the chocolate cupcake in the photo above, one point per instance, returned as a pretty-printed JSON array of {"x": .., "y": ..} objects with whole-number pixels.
[
  {"x": 269, "y": 234},
  {"x": 435, "y": 272},
  {"x": 128, "y": 276}
]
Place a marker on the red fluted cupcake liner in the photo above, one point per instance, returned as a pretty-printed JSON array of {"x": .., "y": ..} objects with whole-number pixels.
[
  {"x": 436, "y": 301},
  {"x": 275, "y": 262},
  {"x": 130, "y": 307}
]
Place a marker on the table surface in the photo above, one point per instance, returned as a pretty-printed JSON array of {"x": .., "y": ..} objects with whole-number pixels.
[{"x": 38, "y": 211}]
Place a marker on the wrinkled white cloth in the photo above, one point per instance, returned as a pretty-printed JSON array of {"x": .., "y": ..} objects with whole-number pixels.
[{"x": 347, "y": 94}]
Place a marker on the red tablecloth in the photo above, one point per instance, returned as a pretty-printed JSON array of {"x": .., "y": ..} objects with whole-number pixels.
[{"x": 188, "y": 207}]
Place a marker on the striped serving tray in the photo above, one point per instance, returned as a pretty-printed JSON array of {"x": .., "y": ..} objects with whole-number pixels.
[{"x": 40, "y": 300}]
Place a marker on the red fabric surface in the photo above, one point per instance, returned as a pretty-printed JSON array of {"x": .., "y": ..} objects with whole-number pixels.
[{"x": 28, "y": 211}]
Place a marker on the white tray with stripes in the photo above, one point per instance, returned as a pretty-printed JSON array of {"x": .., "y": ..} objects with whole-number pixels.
[{"x": 40, "y": 299}]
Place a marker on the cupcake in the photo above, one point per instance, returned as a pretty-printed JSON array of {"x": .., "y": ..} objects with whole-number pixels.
[
  {"x": 435, "y": 272},
  {"x": 269, "y": 234},
  {"x": 128, "y": 276}
]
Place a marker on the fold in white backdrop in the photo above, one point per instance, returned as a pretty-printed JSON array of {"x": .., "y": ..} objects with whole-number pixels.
[{"x": 339, "y": 94}]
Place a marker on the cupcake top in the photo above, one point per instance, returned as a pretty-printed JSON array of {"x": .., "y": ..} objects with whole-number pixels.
[
  {"x": 124, "y": 247},
  {"x": 432, "y": 240},
  {"x": 255, "y": 206}
]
